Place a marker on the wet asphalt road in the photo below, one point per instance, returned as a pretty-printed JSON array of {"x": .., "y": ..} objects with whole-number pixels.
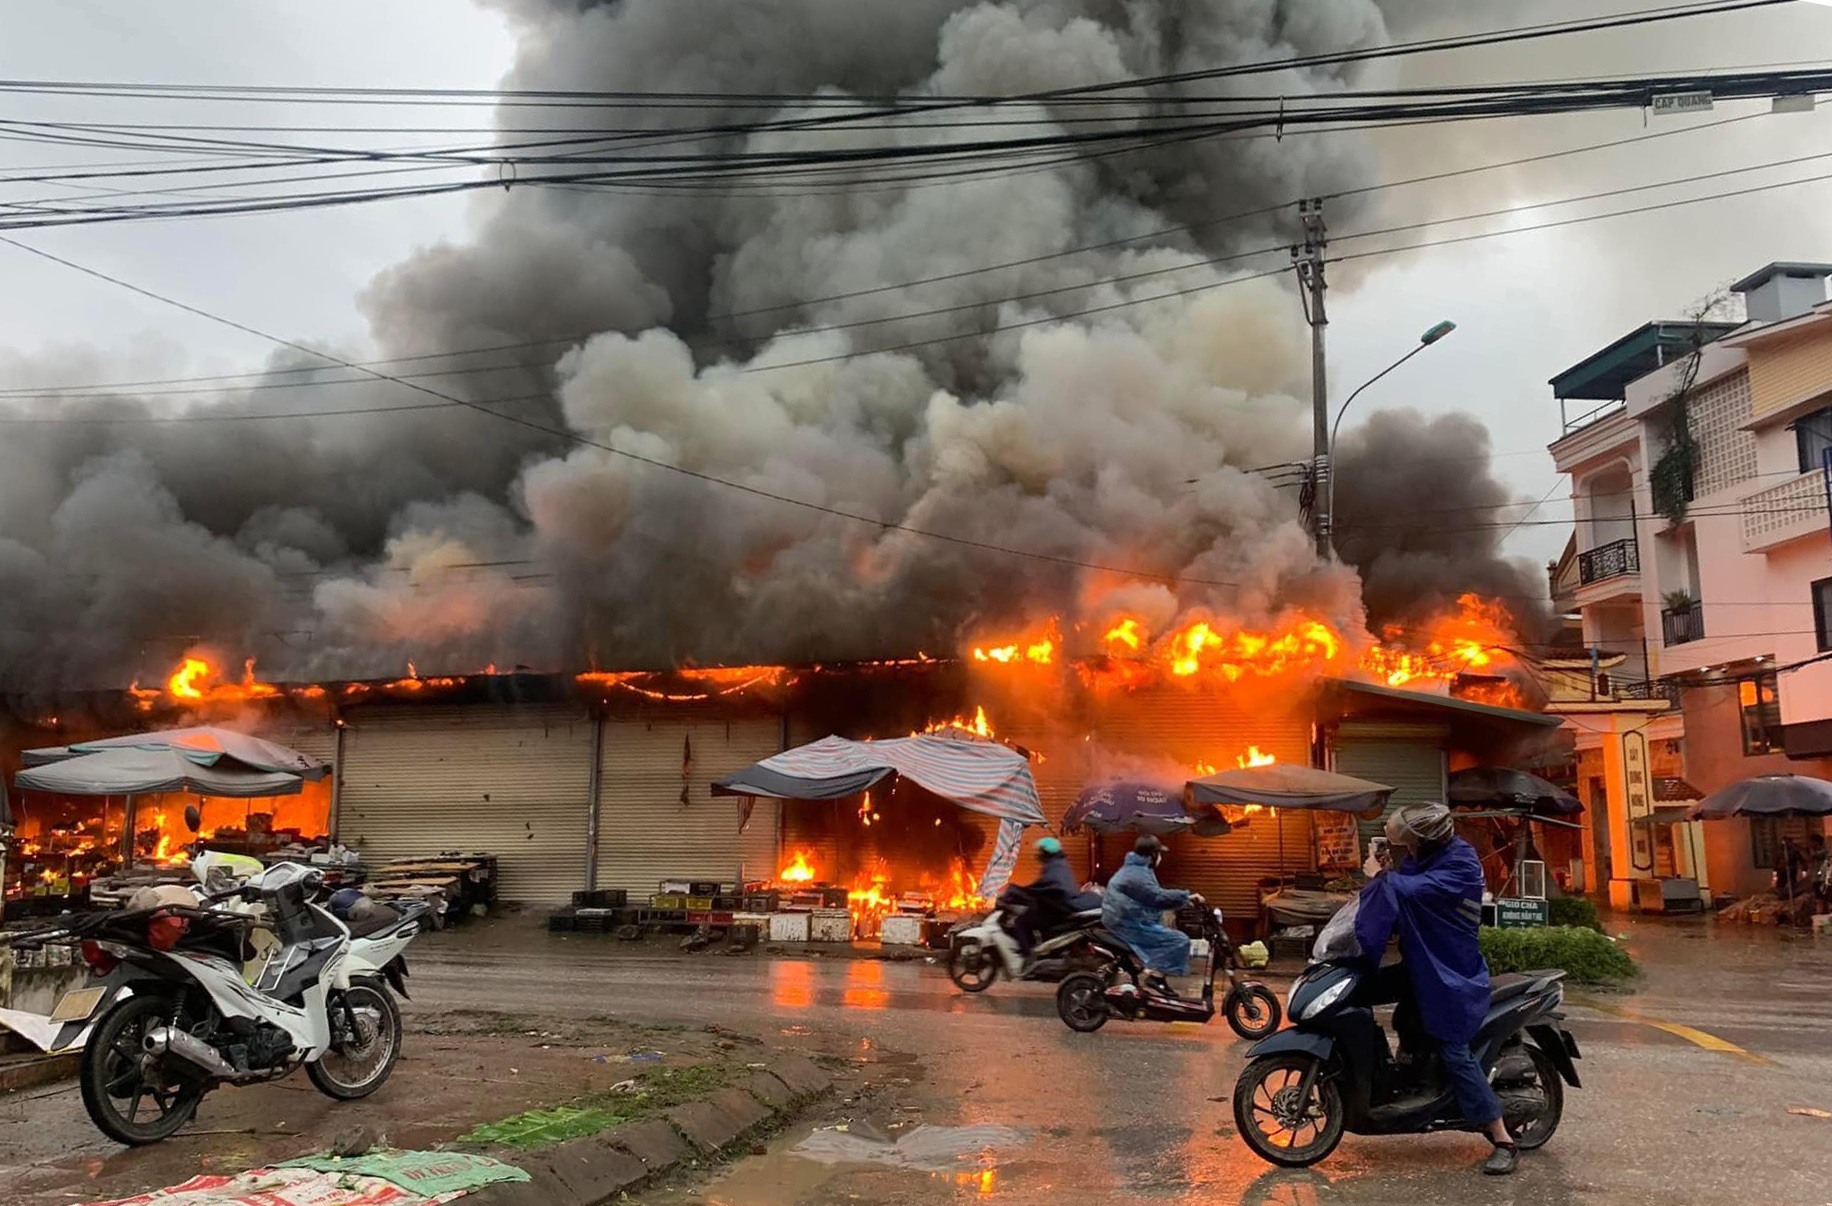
[{"x": 1688, "y": 1079}]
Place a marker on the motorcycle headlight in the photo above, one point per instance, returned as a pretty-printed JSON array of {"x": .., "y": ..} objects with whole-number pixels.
[{"x": 1325, "y": 999}]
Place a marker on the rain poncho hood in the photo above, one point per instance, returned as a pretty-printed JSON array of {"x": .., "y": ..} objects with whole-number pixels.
[
  {"x": 1434, "y": 903},
  {"x": 1132, "y": 910}
]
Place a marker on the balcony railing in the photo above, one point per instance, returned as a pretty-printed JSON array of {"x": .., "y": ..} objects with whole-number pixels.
[
  {"x": 1795, "y": 508},
  {"x": 1660, "y": 688},
  {"x": 1607, "y": 561},
  {"x": 1683, "y": 625}
]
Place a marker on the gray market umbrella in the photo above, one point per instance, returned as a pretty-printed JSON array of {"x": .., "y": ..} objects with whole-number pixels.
[
  {"x": 204, "y": 745},
  {"x": 1131, "y": 807},
  {"x": 1767, "y": 796},
  {"x": 132, "y": 772},
  {"x": 1505, "y": 787},
  {"x": 1287, "y": 786}
]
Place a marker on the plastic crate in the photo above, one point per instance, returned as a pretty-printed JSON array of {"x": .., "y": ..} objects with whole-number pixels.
[
  {"x": 728, "y": 904},
  {"x": 762, "y": 902},
  {"x": 668, "y": 900},
  {"x": 561, "y": 923},
  {"x": 699, "y": 904},
  {"x": 714, "y": 917},
  {"x": 601, "y": 898},
  {"x": 703, "y": 887}
]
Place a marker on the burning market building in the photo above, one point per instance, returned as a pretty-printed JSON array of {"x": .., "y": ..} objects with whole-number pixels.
[{"x": 604, "y": 779}]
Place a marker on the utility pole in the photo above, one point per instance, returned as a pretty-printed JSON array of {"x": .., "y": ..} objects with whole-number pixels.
[{"x": 1307, "y": 258}]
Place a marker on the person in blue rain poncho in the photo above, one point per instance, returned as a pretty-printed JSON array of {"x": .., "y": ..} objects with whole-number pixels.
[
  {"x": 1433, "y": 900},
  {"x": 1133, "y": 907}
]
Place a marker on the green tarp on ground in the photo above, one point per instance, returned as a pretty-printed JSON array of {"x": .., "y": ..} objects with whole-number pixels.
[{"x": 430, "y": 1174}]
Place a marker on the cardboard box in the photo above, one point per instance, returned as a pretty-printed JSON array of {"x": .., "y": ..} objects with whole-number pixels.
[
  {"x": 900, "y": 929},
  {"x": 830, "y": 925},
  {"x": 790, "y": 927}
]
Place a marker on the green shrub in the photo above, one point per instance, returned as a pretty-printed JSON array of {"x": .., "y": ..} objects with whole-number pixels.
[
  {"x": 1574, "y": 910},
  {"x": 1586, "y": 956}
]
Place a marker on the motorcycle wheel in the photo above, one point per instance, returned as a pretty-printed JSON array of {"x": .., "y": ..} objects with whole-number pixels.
[
  {"x": 365, "y": 1042},
  {"x": 1266, "y": 1111},
  {"x": 972, "y": 967},
  {"x": 1081, "y": 1002},
  {"x": 1253, "y": 1011},
  {"x": 1532, "y": 1102},
  {"x": 133, "y": 1097}
]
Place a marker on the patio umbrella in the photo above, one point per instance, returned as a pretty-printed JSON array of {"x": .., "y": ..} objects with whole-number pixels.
[
  {"x": 1767, "y": 796},
  {"x": 1505, "y": 787},
  {"x": 204, "y": 745},
  {"x": 1280, "y": 785},
  {"x": 1133, "y": 807},
  {"x": 125, "y": 771}
]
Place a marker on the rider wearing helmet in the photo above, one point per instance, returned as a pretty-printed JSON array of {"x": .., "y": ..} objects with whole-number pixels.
[
  {"x": 1433, "y": 900},
  {"x": 1132, "y": 910},
  {"x": 1053, "y": 895}
]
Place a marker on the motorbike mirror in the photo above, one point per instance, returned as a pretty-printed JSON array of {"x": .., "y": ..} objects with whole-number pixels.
[{"x": 193, "y": 817}]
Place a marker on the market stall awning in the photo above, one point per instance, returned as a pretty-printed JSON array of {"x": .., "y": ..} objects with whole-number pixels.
[
  {"x": 1287, "y": 786},
  {"x": 1503, "y": 787},
  {"x": 132, "y": 772},
  {"x": 204, "y": 745},
  {"x": 983, "y": 776},
  {"x": 1767, "y": 796},
  {"x": 1132, "y": 807}
]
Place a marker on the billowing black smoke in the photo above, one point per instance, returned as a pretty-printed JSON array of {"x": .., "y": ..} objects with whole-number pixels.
[
  {"x": 1420, "y": 514},
  {"x": 654, "y": 323}
]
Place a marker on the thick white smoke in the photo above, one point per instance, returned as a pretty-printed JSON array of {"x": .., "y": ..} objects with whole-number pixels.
[{"x": 679, "y": 324}]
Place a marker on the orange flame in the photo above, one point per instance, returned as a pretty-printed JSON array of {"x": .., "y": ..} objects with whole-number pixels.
[
  {"x": 979, "y": 726},
  {"x": 196, "y": 682},
  {"x": 1037, "y": 648},
  {"x": 800, "y": 869},
  {"x": 1253, "y": 757}
]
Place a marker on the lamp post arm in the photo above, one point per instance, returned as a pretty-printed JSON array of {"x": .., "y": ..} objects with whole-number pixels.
[{"x": 1343, "y": 409}]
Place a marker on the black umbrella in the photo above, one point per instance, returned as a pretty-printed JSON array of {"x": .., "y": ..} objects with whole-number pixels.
[
  {"x": 1767, "y": 796},
  {"x": 1505, "y": 787}
]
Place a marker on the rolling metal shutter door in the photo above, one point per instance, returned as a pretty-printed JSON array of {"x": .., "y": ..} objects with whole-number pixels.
[
  {"x": 1413, "y": 767},
  {"x": 645, "y": 833},
  {"x": 509, "y": 780},
  {"x": 1190, "y": 727}
]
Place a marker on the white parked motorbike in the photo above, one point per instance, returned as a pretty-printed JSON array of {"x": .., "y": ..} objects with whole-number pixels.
[
  {"x": 978, "y": 954},
  {"x": 193, "y": 996}
]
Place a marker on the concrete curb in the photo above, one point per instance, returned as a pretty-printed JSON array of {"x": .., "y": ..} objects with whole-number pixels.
[{"x": 595, "y": 1170}]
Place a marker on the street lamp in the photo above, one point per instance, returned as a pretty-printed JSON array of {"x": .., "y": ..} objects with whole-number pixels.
[{"x": 1431, "y": 336}]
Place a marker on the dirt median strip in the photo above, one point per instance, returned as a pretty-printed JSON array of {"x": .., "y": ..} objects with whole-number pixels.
[{"x": 595, "y": 1169}]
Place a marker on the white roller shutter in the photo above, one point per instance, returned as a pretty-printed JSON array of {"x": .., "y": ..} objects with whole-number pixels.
[
  {"x": 509, "y": 780},
  {"x": 646, "y": 833},
  {"x": 1191, "y": 727}
]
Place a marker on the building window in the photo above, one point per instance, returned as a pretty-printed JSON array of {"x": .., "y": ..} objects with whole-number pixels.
[
  {"x": 1822, "y": 613},
  {"x": 1812, "y": 436},
  {"x": 1760, "y": 705}
]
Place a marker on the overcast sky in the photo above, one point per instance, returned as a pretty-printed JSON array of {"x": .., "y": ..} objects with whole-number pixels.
[{"x": 1526, "y": 305}]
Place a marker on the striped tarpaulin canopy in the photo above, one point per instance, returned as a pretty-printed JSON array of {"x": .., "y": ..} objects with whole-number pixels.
[{"x": 982, "y": 775}]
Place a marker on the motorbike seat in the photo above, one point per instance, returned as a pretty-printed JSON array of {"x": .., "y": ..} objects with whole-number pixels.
[
  {"x": 374, "y": 920},
  {"x": 1507, "y": 987},
  {"x": 1086, "y": 915}
]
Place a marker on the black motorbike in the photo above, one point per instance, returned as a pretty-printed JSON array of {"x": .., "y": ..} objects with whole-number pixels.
[
  {"x": 1119, "y": 989},
  {"x": 1333, "y": 1071}
]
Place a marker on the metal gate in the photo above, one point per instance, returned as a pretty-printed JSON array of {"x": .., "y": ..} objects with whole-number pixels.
[
  {"x": 507, "y": 779},
  {"x": 1411, "y": 762},
  {"x": 656, "y": 814}
]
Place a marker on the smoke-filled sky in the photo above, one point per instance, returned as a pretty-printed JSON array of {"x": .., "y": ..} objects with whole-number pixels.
[{"x": 344, "y": 546}]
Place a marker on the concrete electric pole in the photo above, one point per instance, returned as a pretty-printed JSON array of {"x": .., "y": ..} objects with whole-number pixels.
[{"x": 1308, "y": 260}]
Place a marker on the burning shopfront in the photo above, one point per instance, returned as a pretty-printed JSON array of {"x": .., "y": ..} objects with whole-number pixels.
[{"x": 603, "y": 779}]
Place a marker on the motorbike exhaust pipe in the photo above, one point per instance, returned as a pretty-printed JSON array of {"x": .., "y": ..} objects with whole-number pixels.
[{"x": 163, "y": 1040}]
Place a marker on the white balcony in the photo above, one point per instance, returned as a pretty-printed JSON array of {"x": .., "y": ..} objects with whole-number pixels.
[{"x": 1783, "y": 513}]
